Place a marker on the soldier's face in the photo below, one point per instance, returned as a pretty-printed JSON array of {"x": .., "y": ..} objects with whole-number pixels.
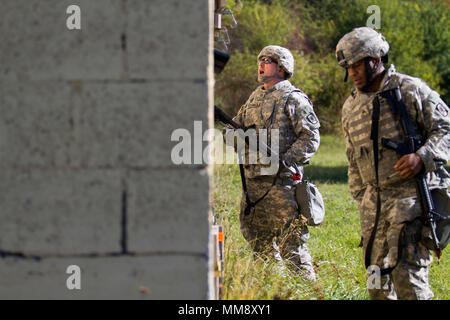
[
  {"x": 266, "y": 69},
  {"x": 357, "y": 72}
]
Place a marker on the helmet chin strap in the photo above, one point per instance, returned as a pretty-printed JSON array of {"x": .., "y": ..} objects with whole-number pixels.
[
  {"x": 275, "y": 76},
  {"x": 272, "y": 77},
  {"x": 370, "y": 72}
]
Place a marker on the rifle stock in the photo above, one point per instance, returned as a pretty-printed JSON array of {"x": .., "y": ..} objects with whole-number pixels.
[{"x": 220, "y": 115}]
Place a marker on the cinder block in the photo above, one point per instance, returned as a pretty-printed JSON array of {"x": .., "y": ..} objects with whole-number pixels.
[
  {"x": 77, "y": 124},
  {"x": 130, "y": 125},
  {"x": 36, "y": 124},
  {"x": 36, "y": 43},
  {"x": 124, "y": 277},
  {"x": 48, "y": 212},
  {"x": 168, "y": 39},
  {"x": 168, "y": 211}
]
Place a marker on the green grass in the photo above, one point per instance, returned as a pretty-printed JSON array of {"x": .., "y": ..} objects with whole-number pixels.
[{"x": 333, "y": 245}]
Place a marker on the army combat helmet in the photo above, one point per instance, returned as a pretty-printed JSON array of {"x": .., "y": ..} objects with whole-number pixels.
[
  {"x": 361, "y": 43},
  {"x": 282, "y": 55}
]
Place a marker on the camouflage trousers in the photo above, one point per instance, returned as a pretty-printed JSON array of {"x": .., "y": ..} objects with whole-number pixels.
[
  {"x": 273, "y": 227},
  {"x": 397, "y": 244}
]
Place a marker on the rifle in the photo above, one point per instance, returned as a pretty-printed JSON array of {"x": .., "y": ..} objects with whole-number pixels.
[
  {"x": 220, "y": 115},
  {"x": 223, "y": 117},
  {"x": 412, "y": 143}
]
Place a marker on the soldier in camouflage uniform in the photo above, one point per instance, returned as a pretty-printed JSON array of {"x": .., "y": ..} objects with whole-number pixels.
[
  {"x": 399, "y": 235},
  {"x": 273, "y": 225}
]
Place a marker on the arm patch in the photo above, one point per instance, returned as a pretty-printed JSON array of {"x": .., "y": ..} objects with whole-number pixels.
[
  {"x": 442, "y": 109},
  {"x": 312, "y": 118}
]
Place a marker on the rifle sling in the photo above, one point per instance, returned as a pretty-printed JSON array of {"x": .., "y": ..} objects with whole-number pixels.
[
  {"x": 251, "y": 204},
  {"x": 374, "y": 138},
  {"x": 414, "y": 143}
]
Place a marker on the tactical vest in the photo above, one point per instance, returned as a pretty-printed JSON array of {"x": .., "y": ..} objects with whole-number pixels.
[
  {"x": 359, "y": 129},
  {"x": 266, "y": 110}
]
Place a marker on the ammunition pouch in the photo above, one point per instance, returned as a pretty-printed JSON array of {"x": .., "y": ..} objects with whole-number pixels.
[{"x": 310, "y": 202}]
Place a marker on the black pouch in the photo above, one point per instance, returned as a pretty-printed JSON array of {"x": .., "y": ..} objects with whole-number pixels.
[{"x": 441, "y": 200}]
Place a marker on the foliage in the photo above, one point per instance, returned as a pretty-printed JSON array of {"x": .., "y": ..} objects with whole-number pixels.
[
  {"x": 322, "y": 81},
  {"x": 333, "y": 245},
  {"x": 416, "y": 30},
  {"x": 420, "y": 46},
  {"x": 258, "y": 22}
]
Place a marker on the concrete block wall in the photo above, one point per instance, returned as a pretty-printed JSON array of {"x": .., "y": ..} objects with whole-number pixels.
[{"x": 86, "y": 176}]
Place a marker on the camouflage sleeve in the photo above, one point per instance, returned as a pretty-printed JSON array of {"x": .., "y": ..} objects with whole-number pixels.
[
  {"x": 356, "y": 187},
  {"x": 436, "y": 122},
  {"x": 238, "y": 117},
  {"x": 306, "y": 126}
]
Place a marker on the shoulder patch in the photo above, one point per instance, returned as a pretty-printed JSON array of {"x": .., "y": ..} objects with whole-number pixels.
[
  {"x": 312, "y": 118},
  {"x": 443, "y": 110}
]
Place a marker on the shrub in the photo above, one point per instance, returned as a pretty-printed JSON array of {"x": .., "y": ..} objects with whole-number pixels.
[{"x": 417, "y": 32}]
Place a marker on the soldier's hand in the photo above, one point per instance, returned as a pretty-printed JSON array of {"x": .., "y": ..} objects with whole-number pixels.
[{"x": 409, "y": 165}]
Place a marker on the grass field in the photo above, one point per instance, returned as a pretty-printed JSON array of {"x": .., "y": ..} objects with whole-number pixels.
[{"x": 333, "y": 245}]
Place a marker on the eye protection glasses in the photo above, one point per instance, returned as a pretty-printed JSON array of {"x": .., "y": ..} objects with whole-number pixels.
[{"x": 267, "y": 60}]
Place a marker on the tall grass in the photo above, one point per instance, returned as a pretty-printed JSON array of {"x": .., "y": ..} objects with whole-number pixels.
[{"x": 333, "y": 245}]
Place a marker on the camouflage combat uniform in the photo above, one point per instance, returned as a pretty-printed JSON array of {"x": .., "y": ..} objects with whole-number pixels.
[
  {"x": 273, "y": 225},
  {"x": 399, "y": 235}
]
